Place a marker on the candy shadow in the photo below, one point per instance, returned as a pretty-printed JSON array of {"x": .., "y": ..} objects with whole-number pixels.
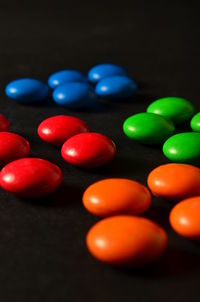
[
  {"x": 174, "y": 262},
  {"x": 98, "y": 106},
  {"x": 134, "y": 143},
  {"x": 159, "y": 211},
  {"x": 183, "y": 127},
  {"x": 48, "y": 102},
  {"x": 66, "y": 195},
  {"x": 127, "y": 167},
  {"x": 101, "y": 105},
  {"x": 139, "y": 98}
]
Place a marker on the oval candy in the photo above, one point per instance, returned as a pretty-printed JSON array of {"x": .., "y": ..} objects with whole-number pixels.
[
  {"x": 65, "y": 76},
  {"x": 27, "y": 90},
  {"x": 74, "y": 95},
  {"x": 88, "y": 150},
  {"x": 126, "y": 241},
  {"x": 177, "y": 109},
  {"x": 115, "y": 196},
  {"x": 148, "y": 128},
  {"x": 195, "y": 122},
  {"x": 174, "y": 181},
  {"x": 4, "y": 123},
  {"x": 31, "y": 177},
  {"x": 185, "y": 218},
  {"x": 12, "y": 146},
  {"x": 57, "y": 129},
  {"x": 102, "y": 71},
  {"x": 116, "y": 87},
  {"x": 183, "y": 148}
]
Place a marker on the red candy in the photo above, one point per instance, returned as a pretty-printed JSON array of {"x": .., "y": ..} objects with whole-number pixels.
[
  {"x": 4, "y": 123},
  {"x": 57, "y": 129},
  {"x": 88, "y": 150},
  {"x": 30, "y": 177},
  {"x": 12, "y": 147}
]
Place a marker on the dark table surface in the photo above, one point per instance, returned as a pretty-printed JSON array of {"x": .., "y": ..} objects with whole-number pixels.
[{"x": 42, "y": 243}]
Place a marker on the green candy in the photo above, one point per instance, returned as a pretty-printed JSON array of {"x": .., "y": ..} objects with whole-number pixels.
[
  {"x": 195, "y": 122},
  {"x": 148, "y": 128},
  {"x": 183, "y": 148},
  {"x": 177, "y": 109}
]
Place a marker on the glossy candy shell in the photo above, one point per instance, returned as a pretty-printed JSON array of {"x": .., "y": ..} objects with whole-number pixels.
[
  {"x": 74, "y": 95},
  {"x": 116, "y": 87},
  {"x": 185, "y": 218},
  {"x": 57, "y": 129},
  {"x": 88, "y": 150},
  {"x": 115, "y": 196},
  {"x": 4, "y": 123},
  {"x": 148, "y": 128},
  {"x": 183, "y": 147},
  {"x": 12, "y": 147},
  {"x": 30, "y": 177},
  {"x": 178, "y": 110},
  {"x": 65, "y": 76},
  {"x": 27, "y": 90},
  {"x": 195, "y": 122},
  {"x": 174, "y": 181},
  {"x": 126, "y": 241},
  {"x": 102, "y": 71}
]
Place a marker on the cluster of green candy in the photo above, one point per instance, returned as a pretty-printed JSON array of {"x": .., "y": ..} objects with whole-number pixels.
[{"x": 157, "y": 126}]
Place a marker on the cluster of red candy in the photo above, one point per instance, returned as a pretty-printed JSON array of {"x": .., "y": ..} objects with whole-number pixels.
[{"x": 34, "y": 177}]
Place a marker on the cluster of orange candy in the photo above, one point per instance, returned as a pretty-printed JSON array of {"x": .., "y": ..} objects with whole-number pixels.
[{"x": 123, "y": 237}]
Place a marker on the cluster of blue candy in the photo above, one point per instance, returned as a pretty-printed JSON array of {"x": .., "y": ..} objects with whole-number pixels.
[{"x": 72, "y": 89}]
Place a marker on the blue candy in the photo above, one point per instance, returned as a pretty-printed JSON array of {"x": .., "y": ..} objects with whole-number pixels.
[
  {"x": 74, "y": 95},
  {"x": 27, "y": 90},
  {"x": 116, "y": 87},
  {"x": 101, "y": 71},
  {"x": 65, "y": 76}
]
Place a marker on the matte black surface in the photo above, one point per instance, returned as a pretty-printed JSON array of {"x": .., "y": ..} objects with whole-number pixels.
[{"x": 42, "y": 244}]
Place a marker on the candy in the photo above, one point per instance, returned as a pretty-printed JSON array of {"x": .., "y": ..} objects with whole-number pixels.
[
  {"x": 4, "y": 123},
  {"x": 183, "y": 147},
  {"x": 148, "y": 128},
  {"x": 177, "y": 109},
  {"x": 57, "y": 129},
  {"x": 195, "y": 122},
  {"x": 30, "y": 177},
  {"x": 116, "y": 87},
  {"x": 102, "y": 71},
  {"x": 185, "y": 218},
  {"x": 174, "y": 181},
  {"x": 116, "y": 196},
  {"x": 27, "y": 90},
  {"x": 65, "y": 76},
  {"x": 88, "y": 150},
  {"x": 126, "y": 241},
  {"x": 12, "y": 146},
  {"x": 74, "y": 95}
]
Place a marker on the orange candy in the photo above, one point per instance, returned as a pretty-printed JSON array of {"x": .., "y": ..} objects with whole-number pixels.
[
  {"x": 185, "y": 218},
  {"x": 126, "y": 241},
  {"x": 175, "y": 181},
  {"x": 116, "y": 196}
]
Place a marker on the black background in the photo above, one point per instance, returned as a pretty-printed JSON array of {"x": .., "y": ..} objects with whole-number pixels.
[{"x": 42, "y": 243}]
